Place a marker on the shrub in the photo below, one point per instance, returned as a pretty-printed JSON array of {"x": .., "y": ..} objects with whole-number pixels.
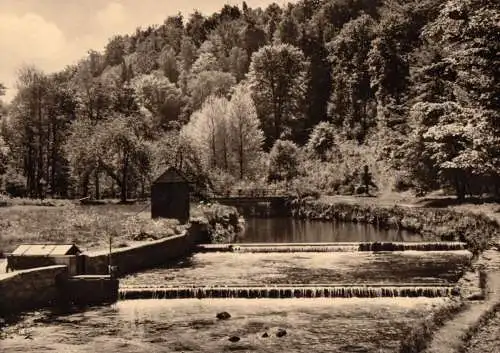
[
  {"x": 284, "y": 161},
  {"x": 15, "y": 184}
]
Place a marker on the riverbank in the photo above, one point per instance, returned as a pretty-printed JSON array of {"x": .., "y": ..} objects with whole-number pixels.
[
  {"x": 457, "y": 326},
  {"x": 434, "y": 224},
  {"x": 91, "y": 226}
]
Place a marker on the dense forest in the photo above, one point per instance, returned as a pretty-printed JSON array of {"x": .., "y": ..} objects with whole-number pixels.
[{"x": 302, "y": 96}]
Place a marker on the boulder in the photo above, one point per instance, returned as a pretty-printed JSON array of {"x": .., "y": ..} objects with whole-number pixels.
[
  {"x": 281, "y": 332},
  {"x": 224, "y": 315}
]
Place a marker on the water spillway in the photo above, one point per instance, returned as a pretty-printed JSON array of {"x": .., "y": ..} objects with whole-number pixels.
[
  {"x": 295, "y": 291},
  {"x": 332, "y": 247}
]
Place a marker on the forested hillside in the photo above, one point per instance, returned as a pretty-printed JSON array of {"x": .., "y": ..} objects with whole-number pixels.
[{"x": 302, "y": 96}]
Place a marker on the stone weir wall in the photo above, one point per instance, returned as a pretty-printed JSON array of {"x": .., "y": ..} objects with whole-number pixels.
[
  {"x": 147, "y": 255},
  {"x": 29, "y": 289}
]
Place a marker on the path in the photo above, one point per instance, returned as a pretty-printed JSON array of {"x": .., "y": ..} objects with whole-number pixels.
[{"x": 449, "y": 338}]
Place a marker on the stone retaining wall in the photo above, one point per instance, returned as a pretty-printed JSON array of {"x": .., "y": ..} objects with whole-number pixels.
[
  {"x": 33, "y": 288},
  {"x": 150, "y": 254}
]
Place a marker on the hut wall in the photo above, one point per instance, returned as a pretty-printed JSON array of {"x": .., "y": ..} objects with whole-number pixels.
[
  {"x": 170, "y": 200},
  {"x": 23, "y": 262}
]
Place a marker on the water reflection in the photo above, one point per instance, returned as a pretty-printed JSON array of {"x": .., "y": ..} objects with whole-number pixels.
[{"x": 290, "y": 230}]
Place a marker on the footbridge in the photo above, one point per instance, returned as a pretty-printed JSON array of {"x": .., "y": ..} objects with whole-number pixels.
[{"x": 252, "y": 197}]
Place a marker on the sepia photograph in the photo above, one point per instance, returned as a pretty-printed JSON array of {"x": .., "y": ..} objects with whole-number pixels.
[{"x": 261, "y": 176}]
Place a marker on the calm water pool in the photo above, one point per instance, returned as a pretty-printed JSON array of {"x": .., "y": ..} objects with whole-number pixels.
[{"x": 290, "y": 230}]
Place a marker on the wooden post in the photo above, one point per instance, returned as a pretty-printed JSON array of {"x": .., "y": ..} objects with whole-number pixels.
[{"x": 109, "y": 256}]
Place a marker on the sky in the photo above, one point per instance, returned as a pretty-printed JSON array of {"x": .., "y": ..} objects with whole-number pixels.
[{"x": 51, "y": 34}]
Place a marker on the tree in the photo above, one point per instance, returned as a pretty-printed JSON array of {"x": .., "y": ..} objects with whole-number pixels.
[
  {"x": 28, "y": 128},
  {"x": 83, "y": 150},
  {"x": 160, "y": 97},
  {"x": 207, "y": 132},
  {"x": 168, "y": 64},
  {"x": 114, "y": 51},
  {"x": 322, "y": 140},
  {"x": 457, "y": 122},
  {"x": 238, "y": 63},
  {"x": 283, "y": 161},
  {"x": 351, "y": 101},
  {"x": 205, "y": 84},
  {"x": 278, "y": 78},
  {"x": 288, "y": 31},
  {"x": 123, "y": 153},
  {"x": 246, "y": 136}
]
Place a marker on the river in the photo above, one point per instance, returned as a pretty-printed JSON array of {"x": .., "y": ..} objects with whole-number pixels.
[{"x": 312, "y": 324}]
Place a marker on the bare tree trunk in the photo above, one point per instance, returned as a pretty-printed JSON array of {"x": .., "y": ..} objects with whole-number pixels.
[{"x": 97, "y": 184}]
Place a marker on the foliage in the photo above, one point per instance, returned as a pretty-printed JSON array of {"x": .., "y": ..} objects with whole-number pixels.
[
  {"x": 284, "y": 160},
  {"x": 351, "y": 101},
  {"x": 408, "y": 88},
  {"x": 322, "y": 141},
  {"x": 278, "y": 80},
  {"x": 246, "y": 136}
]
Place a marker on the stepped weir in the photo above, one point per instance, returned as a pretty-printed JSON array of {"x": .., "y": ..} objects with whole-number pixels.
[
  {"x": 288, "y": 291},
  {"x": 332, "y": 247}
]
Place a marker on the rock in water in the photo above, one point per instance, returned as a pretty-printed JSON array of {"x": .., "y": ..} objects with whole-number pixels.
[
  {"x": 234, "y": 339},
  {"x": 281, "y": 332},
  {"x": 223, "y": 315},
  {"x": 265, "y": 335}
]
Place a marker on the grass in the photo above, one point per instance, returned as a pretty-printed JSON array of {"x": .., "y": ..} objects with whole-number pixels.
[
  {"x": 474, "y": 330},
  {"x": 421, "y": 335},
  {"x": 90, "y": 226},
  {"x": 87, "y": 226}
]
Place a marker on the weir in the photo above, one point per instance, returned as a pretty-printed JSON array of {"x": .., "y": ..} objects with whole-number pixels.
[
  {"x": 332, "y": 247},
  {"x": 292, "y": 291}
]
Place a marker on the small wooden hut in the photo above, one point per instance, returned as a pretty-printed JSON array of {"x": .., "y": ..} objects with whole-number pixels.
[
  {"x": 170, "y": 196},
  {"x": 39, "y": 255}
]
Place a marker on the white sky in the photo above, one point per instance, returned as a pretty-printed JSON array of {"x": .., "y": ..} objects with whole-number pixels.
[{"x": 51, "y": 34}]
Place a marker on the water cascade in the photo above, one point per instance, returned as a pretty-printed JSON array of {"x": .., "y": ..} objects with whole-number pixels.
[
  {"x": 333, "y": 247},
  {"x": 291, "y": 291}
]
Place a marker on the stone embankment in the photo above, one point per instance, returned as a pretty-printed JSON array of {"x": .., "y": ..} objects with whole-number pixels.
[
  {"x": 31, "y": 288},
  {"x": 49, "y": 285}
]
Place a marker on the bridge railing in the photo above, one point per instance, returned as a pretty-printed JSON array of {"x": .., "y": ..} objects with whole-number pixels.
[{"x": 249, "y": 193}]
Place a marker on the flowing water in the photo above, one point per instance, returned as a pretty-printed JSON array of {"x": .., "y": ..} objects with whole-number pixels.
[
  {"x": 189, "y": 325},
  {"x": 228, "y": 268},
  {"x": 331, "y": 296}
]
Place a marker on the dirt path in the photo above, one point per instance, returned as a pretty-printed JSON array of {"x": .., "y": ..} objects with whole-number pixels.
[{"x": 449, "y": 338}]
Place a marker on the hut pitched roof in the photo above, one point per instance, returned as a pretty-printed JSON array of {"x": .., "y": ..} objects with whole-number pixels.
[
  {"x": 46, "y": 249},
  {"x": 171, "y": 175}
]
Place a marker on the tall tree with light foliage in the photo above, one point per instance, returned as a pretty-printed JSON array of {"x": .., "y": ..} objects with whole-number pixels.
[
  {"x": 208, "y": 133},
  {"x": 246, "y": 136}
]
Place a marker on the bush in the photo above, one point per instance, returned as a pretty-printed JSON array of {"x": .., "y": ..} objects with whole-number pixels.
[
  {"x": 15, "y": 184},
  {"x": 402, "y": 183},
  {"x": 284, "y": 161}
]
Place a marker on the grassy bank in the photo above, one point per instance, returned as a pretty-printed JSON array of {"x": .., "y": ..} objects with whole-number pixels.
[
  {"x": 419, "y": 337},
  {"x": 476, "y": 229},
  {"x": 62, "y": 221},
  {"x": 473, "y": 331}
]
